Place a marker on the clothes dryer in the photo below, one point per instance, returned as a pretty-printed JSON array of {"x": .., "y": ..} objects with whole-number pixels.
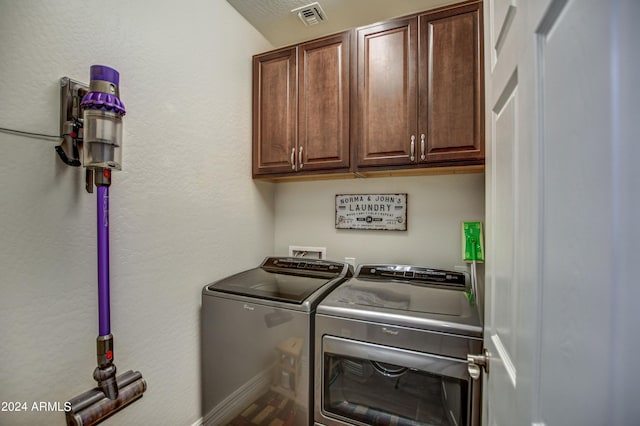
[{"x": 392, "y": 347}]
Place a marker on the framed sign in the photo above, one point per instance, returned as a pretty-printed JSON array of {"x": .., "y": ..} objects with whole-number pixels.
[{"x": 387, "y": 212}]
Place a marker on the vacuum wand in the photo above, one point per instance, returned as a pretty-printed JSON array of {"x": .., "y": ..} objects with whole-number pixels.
[
  {"x": 104, "y": 315},
  {"x": 103, "y": 112},
  {"x": 105, "y": 372}
]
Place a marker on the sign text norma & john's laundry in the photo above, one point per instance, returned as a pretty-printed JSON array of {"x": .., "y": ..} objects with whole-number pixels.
[{"x": 371, "y": 211}]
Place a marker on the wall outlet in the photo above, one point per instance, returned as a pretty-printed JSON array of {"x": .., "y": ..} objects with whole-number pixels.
[
  {"x": 309, "y": 252},
  {"x": 351, "y": 261}
]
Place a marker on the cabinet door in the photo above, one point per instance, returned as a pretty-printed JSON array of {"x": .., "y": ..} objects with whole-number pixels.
[
  {"x": 386, "y": 114},
  {"x": 274, "y": 112},
  {"x": 323, "y": 104},
  {"x": 451, "y": 84}
]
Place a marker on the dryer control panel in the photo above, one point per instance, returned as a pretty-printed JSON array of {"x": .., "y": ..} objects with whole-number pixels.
[{"x": 413, "y": 274}]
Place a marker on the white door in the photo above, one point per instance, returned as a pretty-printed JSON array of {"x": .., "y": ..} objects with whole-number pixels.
[{"x": 562, "y": 204}]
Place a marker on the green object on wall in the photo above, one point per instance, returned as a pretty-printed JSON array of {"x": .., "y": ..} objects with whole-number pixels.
[{"x": 472, "y": 242}]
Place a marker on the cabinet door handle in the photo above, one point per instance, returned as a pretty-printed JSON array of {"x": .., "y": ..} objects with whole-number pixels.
[
  {"x": 422, "y": 146},
  {"x": 293, "y": 158},
  {"x": 300, "y": 163},
  {"x": 413, "y": 148}
]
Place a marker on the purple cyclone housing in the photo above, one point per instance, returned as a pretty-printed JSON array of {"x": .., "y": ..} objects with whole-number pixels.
[
  {"x": 104, "y": 100},
  {"x": 103, "y": 112},
  {"x": 105, "y": 73}
]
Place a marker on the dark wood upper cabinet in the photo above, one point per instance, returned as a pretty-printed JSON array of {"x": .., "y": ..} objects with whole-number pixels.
[
  {"x": 274, "y": 111},
  {"x": 387, "y": 92},
  {"x": 396, "y": 97},
  {"x": 323, "y": 104},
  {"x": 419, "y": 90},
  {"x": 451, "y": 85},
  {"x": 301, "y": 108}
]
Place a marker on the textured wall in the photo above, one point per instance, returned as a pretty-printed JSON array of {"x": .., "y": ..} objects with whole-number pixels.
[
  {"x": 436, "y": 205},
  {"x": 184, "y": 210}
]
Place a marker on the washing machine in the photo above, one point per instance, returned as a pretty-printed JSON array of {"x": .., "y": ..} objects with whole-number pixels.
[{"x": 257, "y": 331}]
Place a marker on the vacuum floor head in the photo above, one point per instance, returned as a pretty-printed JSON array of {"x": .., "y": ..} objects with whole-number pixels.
[{"x": 93, "y": 406}]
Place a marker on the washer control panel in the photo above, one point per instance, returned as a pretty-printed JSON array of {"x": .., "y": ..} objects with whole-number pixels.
[{"x": 293, "y": 264}]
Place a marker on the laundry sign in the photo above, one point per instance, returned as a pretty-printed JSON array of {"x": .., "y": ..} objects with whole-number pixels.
[{"x": 386, "y": 212}]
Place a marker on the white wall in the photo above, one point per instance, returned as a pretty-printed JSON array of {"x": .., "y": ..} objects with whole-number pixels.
[
  {"x": 184, "y": 211},
  {"x": 305, "y": 215}
]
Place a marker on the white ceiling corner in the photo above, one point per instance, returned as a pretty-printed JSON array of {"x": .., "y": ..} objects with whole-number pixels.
[{"x": 273, "y": 18}]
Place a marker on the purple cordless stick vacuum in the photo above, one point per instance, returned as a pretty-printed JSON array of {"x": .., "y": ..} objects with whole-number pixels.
[
  {"x": 103, "y": 114},
  {"x": 102, "y": 140}
]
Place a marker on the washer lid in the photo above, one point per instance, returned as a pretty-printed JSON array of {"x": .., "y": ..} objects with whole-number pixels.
[
  {"x": 407, "y": 298},
  {"x": 288, "y": 280}
]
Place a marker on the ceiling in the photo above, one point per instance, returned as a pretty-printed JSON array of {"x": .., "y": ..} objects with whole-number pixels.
[{"x": 281, "y": 27}]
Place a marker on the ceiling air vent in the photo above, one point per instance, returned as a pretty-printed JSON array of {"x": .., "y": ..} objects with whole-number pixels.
[{"x": 310, "y": 14}]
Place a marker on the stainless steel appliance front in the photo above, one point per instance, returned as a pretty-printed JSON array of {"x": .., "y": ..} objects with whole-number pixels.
[
  {"x": 257, "y": 331},
  {"x": 394, "y": 351}
]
